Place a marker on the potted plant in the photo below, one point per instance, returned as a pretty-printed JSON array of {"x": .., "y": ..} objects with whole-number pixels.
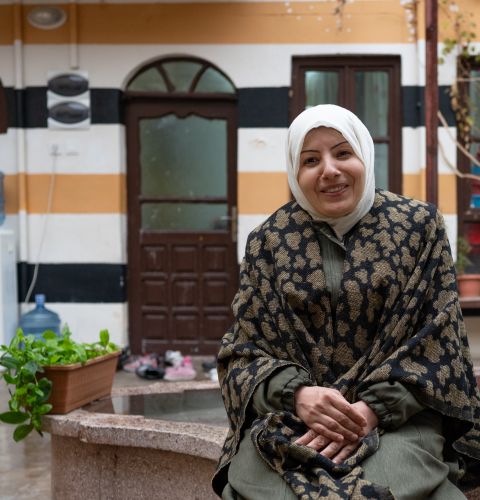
[
  {"x": 468, "y": 284},
  {"x": 54, "y": 374}
]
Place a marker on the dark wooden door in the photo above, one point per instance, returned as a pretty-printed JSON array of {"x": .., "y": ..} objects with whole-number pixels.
[{"x": 181, "y": 182}]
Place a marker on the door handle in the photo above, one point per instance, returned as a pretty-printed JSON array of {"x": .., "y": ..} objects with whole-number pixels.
[{"x": 233, "y": 223}]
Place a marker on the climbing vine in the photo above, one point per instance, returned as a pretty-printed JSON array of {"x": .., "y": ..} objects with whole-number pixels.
[
  {"x": 410, "y": 7},
  {"x": 461, "y": 44},
  {"x": 338, "y": 12}
]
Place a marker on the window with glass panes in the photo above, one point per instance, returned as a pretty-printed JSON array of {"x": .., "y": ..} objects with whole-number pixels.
[
  {"x": 367, "y": 85},
  {"x": 468, "y": 190}
]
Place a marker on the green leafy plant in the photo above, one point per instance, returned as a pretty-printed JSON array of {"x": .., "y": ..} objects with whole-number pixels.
[
  {"x": 463, "y": 249},
  {"x": 24, "y": 360}
]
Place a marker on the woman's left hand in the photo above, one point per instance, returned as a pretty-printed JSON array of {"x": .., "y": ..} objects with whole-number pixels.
[{"x": 339, "y": 451}]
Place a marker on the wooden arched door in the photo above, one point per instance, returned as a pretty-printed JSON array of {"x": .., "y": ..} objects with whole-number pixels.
[{"x": 181, "y": 183}]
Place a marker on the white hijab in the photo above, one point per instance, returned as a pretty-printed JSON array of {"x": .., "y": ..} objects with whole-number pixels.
[{"x": 355, "y": 132}]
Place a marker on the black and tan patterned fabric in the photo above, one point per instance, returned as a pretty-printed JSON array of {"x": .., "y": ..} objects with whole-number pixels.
[{"x": 397, "y": 319}]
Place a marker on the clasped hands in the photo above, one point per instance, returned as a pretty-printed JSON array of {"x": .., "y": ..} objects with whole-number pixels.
[{"x": 335, "y": 425}]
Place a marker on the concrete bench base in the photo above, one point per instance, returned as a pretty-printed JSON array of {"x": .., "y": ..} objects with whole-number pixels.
[{"x": 85, "y": 470}]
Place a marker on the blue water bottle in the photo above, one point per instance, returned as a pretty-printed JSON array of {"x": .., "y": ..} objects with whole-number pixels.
[{"x": 38, "y": 320}]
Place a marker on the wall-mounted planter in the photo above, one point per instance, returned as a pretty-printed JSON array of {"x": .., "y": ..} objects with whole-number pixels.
[{"x": 76, "y": 385}]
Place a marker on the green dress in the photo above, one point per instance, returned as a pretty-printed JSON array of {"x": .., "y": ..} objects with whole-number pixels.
[{"x": 410, "y": 459}]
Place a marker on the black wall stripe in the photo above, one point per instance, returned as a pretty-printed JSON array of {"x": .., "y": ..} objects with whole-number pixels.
[
  {"x": 263, "y": 107},
  {"x": 74, "y": 282},
  {"x": 257, "y": 107},
  {"x": 12, "y": 113},
  {"x": 86, "y": 283},
  {"x": 28, "y": 108},
  {"x": 106, "y": 106},
  {"x": 413, "y": 104}
]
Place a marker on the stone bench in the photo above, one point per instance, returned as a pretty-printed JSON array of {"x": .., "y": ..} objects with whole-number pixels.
[
  {"x": 108, "y": 456},
  {"x": 111, "y": 456}
]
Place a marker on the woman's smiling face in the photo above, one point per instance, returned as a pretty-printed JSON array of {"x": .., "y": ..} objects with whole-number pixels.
[{"x": 331, "y": 175}]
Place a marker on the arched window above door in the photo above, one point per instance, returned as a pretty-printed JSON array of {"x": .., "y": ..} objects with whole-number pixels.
[{"x": 184, "y": 75}]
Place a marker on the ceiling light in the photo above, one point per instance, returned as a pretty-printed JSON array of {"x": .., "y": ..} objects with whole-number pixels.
[{"x": 46, "y": 18}]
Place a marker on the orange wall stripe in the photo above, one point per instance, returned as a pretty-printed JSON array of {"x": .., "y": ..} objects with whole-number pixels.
[
  {"x": 240, "y": 22},
  {"x": 73, "y": 194},
  {"x": 10, "y": 192},
  {"x": 446, "y": 25},
  {"x": 258, "y": 192},
  {"x": 6, "y": 24},
  {"x": 447, "y": 193},
  {"x": 262, "y": 192},
  {"x": 365, "y": 21},
  {"x": 414, "y": 187}
]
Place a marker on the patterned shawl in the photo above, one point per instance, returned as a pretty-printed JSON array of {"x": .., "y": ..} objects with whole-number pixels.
[{"x": 398, "y": 318}]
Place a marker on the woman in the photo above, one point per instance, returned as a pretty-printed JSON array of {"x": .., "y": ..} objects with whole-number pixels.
[{"x": 347, "y": 372}]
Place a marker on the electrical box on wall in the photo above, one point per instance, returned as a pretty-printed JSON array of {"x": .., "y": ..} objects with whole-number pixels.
[{"x": 68, "y": 100}]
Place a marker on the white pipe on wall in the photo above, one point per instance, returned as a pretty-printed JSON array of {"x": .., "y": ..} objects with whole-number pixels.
[
  {"x": 21, "y": 150},
  {"x": 73, "y": 29}
]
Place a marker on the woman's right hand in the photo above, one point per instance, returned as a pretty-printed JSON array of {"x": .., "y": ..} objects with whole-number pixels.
[{"x": 329, "y": 414}]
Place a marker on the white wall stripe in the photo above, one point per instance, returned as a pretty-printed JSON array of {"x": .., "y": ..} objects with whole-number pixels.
[
  {"x": 248, "y": 65},
  {"x": 11, "y": 222},
  {"x": 7, "y": 70},
  {"x": 101, "y": 150},
  {"x": 8, "y": 154},
  {"x": 261, "y": 149},
  {"x": 414, "y": 150},
  {"x": 86, "y": 320},
  {"x": 449, "y": 148},
  {"x": 451, "y": 225},
  {"x": 96, "y": 150},
  {"x": 40, "y": 59},
  {"x": 446, "y": 71},
  {"x": 78, "y": 238}
]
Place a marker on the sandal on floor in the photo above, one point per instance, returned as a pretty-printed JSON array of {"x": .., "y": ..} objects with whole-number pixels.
[{"x": 150, "y": 372}]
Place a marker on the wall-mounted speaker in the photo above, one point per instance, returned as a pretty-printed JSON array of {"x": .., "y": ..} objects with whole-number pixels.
[{"x": 68, "y": 100}]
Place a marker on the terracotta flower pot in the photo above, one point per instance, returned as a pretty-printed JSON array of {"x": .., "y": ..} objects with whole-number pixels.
[
  {"x": 469, "y": 285},
  {"x": 76, "y": 385}
]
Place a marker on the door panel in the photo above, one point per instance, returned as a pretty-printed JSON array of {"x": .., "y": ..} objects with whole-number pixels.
[{"x": 182, "y": 263}]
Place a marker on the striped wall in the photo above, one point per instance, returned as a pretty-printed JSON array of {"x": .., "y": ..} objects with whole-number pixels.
[{"x": 83, "y": 255}]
